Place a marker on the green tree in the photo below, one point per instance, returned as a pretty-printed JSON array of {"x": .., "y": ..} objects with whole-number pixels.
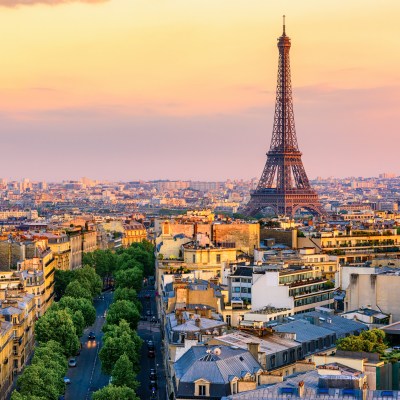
[
  {"x": 79, "y": 304},
  {"x": 370, "y": 341},
  {"x": 77, "y": 290},
  {"x": 115, "y": 331},
  {"x": 93, "y": 281},
  {"x": 143, "y": 257},
  {"x": 112, "y": 350},
  {"x": 62, "y": 279},
  {"x": 122, "y": 373},
  {"x": 127, "y": 262},
  {"x": 123, "y": 309},
  {"x": 58, "y": 325},
  {"x": 130, "y": 278},
  {"x": 112, "y": 392},
  {"x": 37, "y": 380},
  {"x": 18, "y": 396},
  {"x": 104, "y": 262},
  {"x": 124, "y": 293},
  {"x": 78, "y": 320},
  {"x": 51, "y": 352}
]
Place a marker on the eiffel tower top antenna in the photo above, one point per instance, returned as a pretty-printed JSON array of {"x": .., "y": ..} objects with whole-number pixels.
[{"x": 284, "y": 30}]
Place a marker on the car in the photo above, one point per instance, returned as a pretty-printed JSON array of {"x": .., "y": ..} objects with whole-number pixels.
[
  {"x": 397, "y": 348},
  {"x": 150, "y": 343},
  {"x": 151, "y": 353},
  {"x": 91, "y": 336},
  {"x": 153, "y": 385},
  {"x": 153, "y": 375},
  {"x": 153, "y": 319},
  {"x": 67, "y": 381},
  {"x": 72, "y": 362},
  {"x": 148, "y": 313}
]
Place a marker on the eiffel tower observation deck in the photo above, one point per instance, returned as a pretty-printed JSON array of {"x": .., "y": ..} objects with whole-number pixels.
[{"x": 284, "y": 186}]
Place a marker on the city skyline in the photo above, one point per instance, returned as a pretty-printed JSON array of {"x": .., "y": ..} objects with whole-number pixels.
[{"x": 124, "y": 90}]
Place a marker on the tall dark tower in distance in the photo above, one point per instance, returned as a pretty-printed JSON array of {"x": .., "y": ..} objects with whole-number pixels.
[{"x": 284, "y": 186}]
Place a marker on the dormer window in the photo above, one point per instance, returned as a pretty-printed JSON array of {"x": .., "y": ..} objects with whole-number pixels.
[{"x": 201, "y": 388}]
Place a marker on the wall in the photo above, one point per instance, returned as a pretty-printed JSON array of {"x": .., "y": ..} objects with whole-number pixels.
[
  {"x": 280, "y": 236},
  {"x": 245, "y": 236},
  {"x": 266, "y": 291},
  {"x": 377, "y": 291}
]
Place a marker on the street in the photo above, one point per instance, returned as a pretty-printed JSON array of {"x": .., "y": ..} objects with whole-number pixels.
[
  {"x": 148, "y": 330},
  {"x": 86, "y": 377}
]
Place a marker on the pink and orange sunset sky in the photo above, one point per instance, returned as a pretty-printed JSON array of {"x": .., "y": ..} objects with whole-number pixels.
[{"x": 185, "y": 89}]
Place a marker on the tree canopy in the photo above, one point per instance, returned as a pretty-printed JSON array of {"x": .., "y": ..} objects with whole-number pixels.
[
  {"x": 58, "y": 325},
  {"x": 122, "y": 373},
  {"x": 112, "y": 392},
  {"x": 129, "y": 278},
  {"x": 369, "y": 341},
  {"x": 77, "y": 290},
  {"x": 123, "y": 309}
]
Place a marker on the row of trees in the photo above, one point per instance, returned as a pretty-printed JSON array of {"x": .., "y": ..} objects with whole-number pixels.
[
  {"x": 57, "y": 334},
  {"x": 138, "y": 259},
  {"x": 120, "y": 353}
]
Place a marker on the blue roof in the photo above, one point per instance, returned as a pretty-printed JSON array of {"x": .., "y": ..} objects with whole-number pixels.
[{"x": 216, "y": 367}]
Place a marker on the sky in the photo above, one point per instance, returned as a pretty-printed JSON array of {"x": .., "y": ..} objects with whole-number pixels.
[{"x": 185, "y": 89}]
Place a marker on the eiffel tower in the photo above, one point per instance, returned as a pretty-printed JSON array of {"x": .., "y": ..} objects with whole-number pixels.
[{"x": 284, "y": 186}]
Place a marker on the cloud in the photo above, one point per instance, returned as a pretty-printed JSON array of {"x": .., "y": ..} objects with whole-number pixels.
[{"x": 16, "y": 3}]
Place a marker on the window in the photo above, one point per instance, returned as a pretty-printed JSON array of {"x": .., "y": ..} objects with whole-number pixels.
[
  {"x": 272, "y": 361},
  {"x": 194, "y": 258},
  {"x": 285, "y": 356},
  {"x": 218, "y": 258},
  {"x": 202, "y": 390},
  {"x": 228, "y": 320}
]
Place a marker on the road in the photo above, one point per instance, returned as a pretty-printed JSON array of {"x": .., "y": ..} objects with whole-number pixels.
[
  {"x": 86, "y": 377},
  {"x": 150, "y": 331}
]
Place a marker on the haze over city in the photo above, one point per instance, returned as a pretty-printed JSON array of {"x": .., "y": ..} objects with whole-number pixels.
[{"x": 128, "y": 89}]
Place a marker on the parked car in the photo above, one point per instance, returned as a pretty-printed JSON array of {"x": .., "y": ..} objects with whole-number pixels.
[
  {"x": 67, "y": 381},
  {"x": 150, "y": 344},
  {"x": 153, "y": 385},
  {"x": 72, "y": 362},
  {"x": 91, "y": 336},
  {"x": 153, "y": 374},
  {"x": 148, "y": 313},
  {"x": 151, "y": 353}
]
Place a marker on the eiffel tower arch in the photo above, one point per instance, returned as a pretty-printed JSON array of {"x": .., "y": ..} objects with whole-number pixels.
[{"x": 284, "y": 186}]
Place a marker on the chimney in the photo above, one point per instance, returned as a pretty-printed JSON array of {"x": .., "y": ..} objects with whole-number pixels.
[
  {"x": 197, "y": 322},
  {"x": 254, "y": 349},
  {"x": 301, "y": 389}
]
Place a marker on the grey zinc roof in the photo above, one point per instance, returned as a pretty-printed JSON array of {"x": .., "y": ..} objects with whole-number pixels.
[
  {"x": 311, "y": 390},
  {"x": 341, "y": 326},
  {"x": 220, "y": 369},
  {"x": 271, "y": 344},
  {"x": 304, "y": 330}
]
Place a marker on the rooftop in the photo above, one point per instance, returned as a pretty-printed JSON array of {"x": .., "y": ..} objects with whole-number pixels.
[{"x": 269, "y": 344}]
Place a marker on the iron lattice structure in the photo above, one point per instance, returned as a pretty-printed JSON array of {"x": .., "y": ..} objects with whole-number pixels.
[{"x": 284, "y": 185}]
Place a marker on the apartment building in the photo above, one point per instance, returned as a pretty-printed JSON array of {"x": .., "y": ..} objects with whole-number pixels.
[{"x": 298, "y": 288}]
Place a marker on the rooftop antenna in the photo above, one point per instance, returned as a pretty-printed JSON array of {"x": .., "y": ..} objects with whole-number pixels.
[{"x": 284, "y": 31}]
